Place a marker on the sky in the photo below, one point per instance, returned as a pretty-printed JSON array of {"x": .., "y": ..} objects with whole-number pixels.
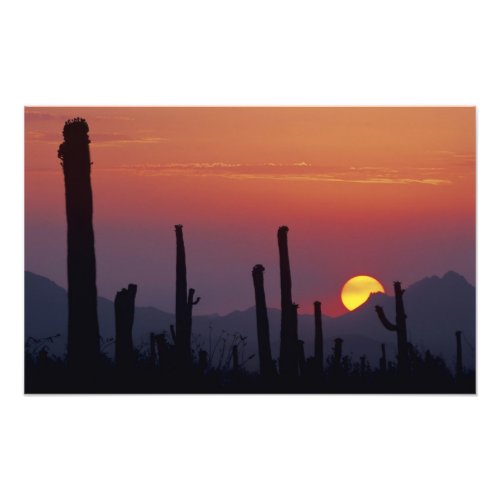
[{"x": 384, "y": 192}]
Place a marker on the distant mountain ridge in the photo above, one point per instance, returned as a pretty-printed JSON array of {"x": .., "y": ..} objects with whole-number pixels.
[{"x": 436, "y": 308}]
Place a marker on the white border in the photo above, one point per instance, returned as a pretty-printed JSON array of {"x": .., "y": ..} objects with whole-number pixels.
[{"x": 249, "y": 53}]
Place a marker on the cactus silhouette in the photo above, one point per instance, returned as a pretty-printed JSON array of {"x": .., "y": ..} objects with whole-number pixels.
[
  {"x": 184, "y": 302},
  {"x": 318, "y": 337},
  {"x": 265, "y": 358},
  {"x": 83, "y": 328},
  {"x": 288, "y": 363},
  {"x": 124, "y": 321},
  {"x": 399, "y": 327}
]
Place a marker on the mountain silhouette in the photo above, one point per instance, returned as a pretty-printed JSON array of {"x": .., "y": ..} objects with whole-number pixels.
[{"x": 436, "y": 308}]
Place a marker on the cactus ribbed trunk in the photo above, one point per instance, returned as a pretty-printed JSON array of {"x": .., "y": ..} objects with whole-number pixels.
[
  {"x": 318, "y": 337},
  {"x": 83, "y": 328},
  {"x": 264, "y": 343},
  {"x": 184, "y": 302},
  {"x": 459, "y": 366},
  {"x": 181, "y": 295},
  {"x": 288, "y": 363},
  {"x": 400, "y": 328},
  {"x": 124, "y": 321}
]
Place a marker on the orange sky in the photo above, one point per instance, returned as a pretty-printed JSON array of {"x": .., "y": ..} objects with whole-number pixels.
[{"x": 388, "y": 192}]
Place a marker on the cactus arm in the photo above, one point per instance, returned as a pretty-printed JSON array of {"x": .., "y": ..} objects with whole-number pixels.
[
  {"x": 192, "y": 302},
  {"x": 172, "y": 332},
  {"x": 383, "y": 319}
]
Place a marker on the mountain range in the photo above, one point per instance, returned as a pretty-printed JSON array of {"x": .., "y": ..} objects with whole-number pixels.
[{"x": 436, "y": 307}]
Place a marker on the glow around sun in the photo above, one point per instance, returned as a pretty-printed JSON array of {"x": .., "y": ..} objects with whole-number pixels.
[{"x": 357, "y": 290}]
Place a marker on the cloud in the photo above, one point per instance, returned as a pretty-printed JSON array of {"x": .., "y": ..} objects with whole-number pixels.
[
  {"x": 97, "y": 139},
  {"x": 296, "y": 164},
  {"x": 459, "y": 159},
  {"x": 325, "y": 178},
  {"x": 240, "y": 171},
  {"x": 110, "y": 140}
]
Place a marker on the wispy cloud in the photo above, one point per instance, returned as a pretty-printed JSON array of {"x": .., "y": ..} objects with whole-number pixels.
[
  {"x": 326, "y": 178},
  {"x": 278, "y": 172},
  {"x": 113, "y": 140},
  {"x": 98, "y": 139},
  {"x": 459, "y": 159}
]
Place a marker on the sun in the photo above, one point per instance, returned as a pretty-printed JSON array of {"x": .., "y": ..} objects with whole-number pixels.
[{"x": 357, "y": 290}]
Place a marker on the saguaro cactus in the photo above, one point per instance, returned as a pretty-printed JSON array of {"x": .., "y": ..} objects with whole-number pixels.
[
  {"x": 184, "y": 302},
  {"x": 318, "y": 337},
  {"x": 83, "y": 328},
  {"x": 399, "y": 327},
  {"x": 265, "y": 358},
  {"x": 288, "y": 363},
  {"x": 124, "y": 321}
]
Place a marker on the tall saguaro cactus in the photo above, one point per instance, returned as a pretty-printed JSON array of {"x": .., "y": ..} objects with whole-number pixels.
[
  {"x": 288, "y": 338},
  {"x": 124, "y": 321},
  {"x": 399, "y": 327},
  {"x": 184, "y": 302},
  {"x": 318, "y": 337},
  {"x": 264, "y": 343},
  {"x": 83, "y": 328}
]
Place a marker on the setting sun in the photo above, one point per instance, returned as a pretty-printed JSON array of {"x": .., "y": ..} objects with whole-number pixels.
[{"x": 357, "y": 290}]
